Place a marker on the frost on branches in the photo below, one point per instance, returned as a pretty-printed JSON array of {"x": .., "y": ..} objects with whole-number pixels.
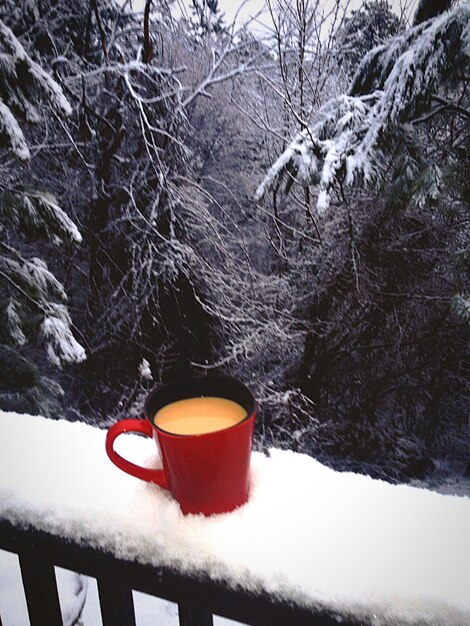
[
  {"x": 35, "y": 283},
  {"x": 22, "y": 83},
  {"x": 352, "y": 136},
  {"x": 33, "y": 277},
  {"x": 62, "y": 347},
  {"x": 32, "y": 287},
  {"x": 38, "y": 214},
  {"x": 32, "y": 290}
]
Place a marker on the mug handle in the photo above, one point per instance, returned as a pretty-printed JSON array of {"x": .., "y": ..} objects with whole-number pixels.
[{"x": 156, "y": 476}]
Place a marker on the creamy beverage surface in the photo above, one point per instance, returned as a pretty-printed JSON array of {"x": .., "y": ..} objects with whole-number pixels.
[{"x": 196, "y": 416}]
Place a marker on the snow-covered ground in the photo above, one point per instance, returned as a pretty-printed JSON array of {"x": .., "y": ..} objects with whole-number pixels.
[{"x": 397, "y": 554}]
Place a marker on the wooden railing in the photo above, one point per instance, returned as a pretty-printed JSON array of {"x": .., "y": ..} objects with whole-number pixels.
[{"x": 198, "y": 599}]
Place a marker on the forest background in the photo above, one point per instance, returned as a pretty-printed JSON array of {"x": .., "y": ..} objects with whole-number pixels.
[{"x": 291, "y": 206}]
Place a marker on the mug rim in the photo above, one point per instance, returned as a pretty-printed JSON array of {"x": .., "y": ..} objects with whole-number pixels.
[{"x": 211, "y": 378}]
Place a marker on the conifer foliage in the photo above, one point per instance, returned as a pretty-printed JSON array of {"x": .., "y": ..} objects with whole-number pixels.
[
  {"x": 367, "y": 27},
  {"x": 23, "y": 83},
  {"x": 36, "y": 298},
  {"x": 346, "y": 326},
  {"x": 33, "y": 301},
  {"x": 388, "y": 165},
  {"x": 353, "y": 135}
]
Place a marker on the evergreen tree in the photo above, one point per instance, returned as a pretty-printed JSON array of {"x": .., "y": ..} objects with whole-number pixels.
[
  {"x": 124, "y": 165},
  {"x": 33, "y": 300},
  {"x": 388, "y": 163},
  {"x": 370, "y": 26},
  {"x": 208, "y": 17},
  {"x": 23, "y": 83},
  {"x": 395, "y": 85}
]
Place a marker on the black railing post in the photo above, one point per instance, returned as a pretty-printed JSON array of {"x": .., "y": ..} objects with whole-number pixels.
[
  {"x": 116, "y": 602},
  {"x": 197, "y": 596},
  {"x": 191, "y": 616},
  {"x": 40, "y": 588}
]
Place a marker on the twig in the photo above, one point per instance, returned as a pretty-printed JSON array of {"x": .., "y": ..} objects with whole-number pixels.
[
  {"x": 147, "y": 53},
  {"x": 100, "y": 28}
]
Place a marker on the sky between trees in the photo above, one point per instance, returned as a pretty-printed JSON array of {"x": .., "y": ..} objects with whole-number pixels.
[{"x": 257, "y": 10}]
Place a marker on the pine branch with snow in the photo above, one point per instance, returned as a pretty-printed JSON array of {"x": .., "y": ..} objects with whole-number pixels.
[
  {"x": 427, "y": 186},
  {"x": 23, "y": 83},
  {"x": 36, "y": 296},
  {"x": 353, "y": 135},
  {"x": 34, "y": 286},
  {"x": 62, "y": 347},
  {"x": 15, "y": 322},
  {"x": 33, "y": 277},
  {"x": 10, "y": 128},
  {"x": 317, "y": 153},
  {"x": 39, "y": 214}
]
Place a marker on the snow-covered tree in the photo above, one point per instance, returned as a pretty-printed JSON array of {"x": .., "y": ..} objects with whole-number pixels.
[
  {"x": 33, "y": 301},
  {"x": 23, "y": 84},
  {"x": 34, "y": 298},
  {"x": 396, "y": 86},
  {"x": 367, "y": 27},
  {"x": 388, "y": 167},
  {"x": 208, "y": 17}
]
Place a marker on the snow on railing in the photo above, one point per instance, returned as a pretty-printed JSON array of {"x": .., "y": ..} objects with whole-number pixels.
[{"x": 311, "y": 546}]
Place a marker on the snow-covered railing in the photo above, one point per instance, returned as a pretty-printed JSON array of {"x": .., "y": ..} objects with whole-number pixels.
[
  {"x": 312, "y": 546},
  {"x": 197, "y": 598}
]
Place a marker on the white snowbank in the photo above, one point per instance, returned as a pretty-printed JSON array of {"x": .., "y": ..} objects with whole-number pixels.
[{"x": 308, "y": 533}]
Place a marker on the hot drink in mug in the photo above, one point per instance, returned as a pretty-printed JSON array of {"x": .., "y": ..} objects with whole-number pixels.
[
  {"x": 203, "y": 428},
  {"x": 197, "y": 416}
]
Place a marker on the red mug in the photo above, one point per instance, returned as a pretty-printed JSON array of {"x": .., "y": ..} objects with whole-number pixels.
[{"x": 206, "y": 473}]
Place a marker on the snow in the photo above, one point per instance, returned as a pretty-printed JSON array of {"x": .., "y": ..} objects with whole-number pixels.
[
  {"x": 62, "y": 347},
  {"x": 13, "y": 323},
  {"x": 310, "y": 534},
  {"x": 35, "y": 274},
  {"x": 63, "y": 225},
  {"x": 52, "y": 91},
  {"x": 392, "y": 86},
  {"x": 9, "y": 126},
  {"x": 145, "y": 371}
]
